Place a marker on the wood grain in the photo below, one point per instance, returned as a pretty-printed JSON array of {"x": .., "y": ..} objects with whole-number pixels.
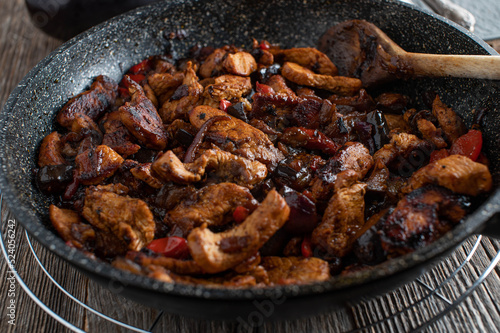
[{"x": 21, "y": 47}]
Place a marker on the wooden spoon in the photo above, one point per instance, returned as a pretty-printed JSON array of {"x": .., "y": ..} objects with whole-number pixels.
[{"x": 360, "y": 49}]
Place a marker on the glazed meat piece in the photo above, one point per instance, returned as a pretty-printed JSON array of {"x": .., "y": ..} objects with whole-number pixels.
[
  {"x": 361, "y": 102},
  {"x": 143, "y": 172},
  {"x": 343, "y": 217},
  {"x": 309, "y": 58},
  {"x": 431, "y": 133},
  {"x": 392, "y": 102},
  {"x": 452, "y": 125},
  {"x": 341, "y": 85},
  {"x": 310, "y": 139},
  {"x": 213, "y": 64},
  {"x": 293, "y": 270},
  {"x": 129, "y": 219},
  {"x": 184, "y": 99},
  {"x": 212, "y": 205},
  {"x": 237, "y": 137},
  {"x": 50, "y": 151},
  {"x": 141, "y": 118},
  {"x": 228, "y": 87},
  {"x": 277, "y": 82},
  {"x": 226, "y": 166},
  {"x": 217, "y": 252},
  {"x": 397, "y": 123},
  {"x": 401, "y": 148},
  {"x": 96, "y": 164},
  {"x": 164, "y": 85},
  {"x": 92, "y": 103},
  {"x": 352, "y": 156},
  {"x": 420, "y": 218},
  {"x": 457, "y": 173},
  {"x": 117, "y": 136},
  {"x": 239, "y": 63},
  {"x": 71, "y": 228}
]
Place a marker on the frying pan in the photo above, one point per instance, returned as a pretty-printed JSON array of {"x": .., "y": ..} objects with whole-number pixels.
[{"x": 112, "y": 47}]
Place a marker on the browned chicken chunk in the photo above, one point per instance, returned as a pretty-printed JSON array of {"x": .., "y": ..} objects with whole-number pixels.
[
  {"x": 293, "y": 270},
  {"x": 71, "y": 228},
  {"x": 226, "y": 166},
  {"x": 92, "y": 103},
  {"x": 228, "y": 87},
  {"x": 217, "y": 252},
  {"x": 50, "y": 151},
  {"x": 420, "y": 218},
  {"x": 237, "y": 137},
  {"x": 457, "y": 173},
  {"x": 184, "y": 99},
  {"x": 239, "y": 63},
  {"x": 143, "y": 172},
  {"x": 164, "y": 85},
  {"x": 129, "y": 219},
  {"x": 141, "y": 118},
  {"x": 341, "y": 85},
  {"x": 449, "y": 121},
  {"x": 117, "y": 136},
  {"x": 343, "y": 217},
  {"x": 96, "y": 164},
  {"x": 212, "y": 205},
  {"x": 307, "y": 57}
]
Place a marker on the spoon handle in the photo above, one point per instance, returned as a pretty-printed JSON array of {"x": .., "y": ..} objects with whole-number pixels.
[{"x": 440, "y": 65}]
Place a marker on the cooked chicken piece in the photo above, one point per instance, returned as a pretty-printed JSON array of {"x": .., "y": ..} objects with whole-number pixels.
[
  {"x": 457, "y": 173},
  {"x": 431, "y": 133},
  {"x": 239, "y": 63},
  {"x": 213, "y": 64},
  {"x": 352, "y": 156},
  {"x": 451, "y": 124},
  {"x": 141, "y": 118},
  {"x": 96, "y": 164},
  {"x": 175, "y": 265},
  {"x": 377, "y": 181},
  {"x": 421, "y": 217},
  {"x": 392, "y": 102},
  {"x": 227, "y": 167},
  {"x": 129, "y": 219},
  {"x": 50, "y": 151},
  {"x": 343, "y": 217},
  {"x": 71, "y": 228},
  {"x": 341, "y": 85},
  {"x": 92, "y": 103},
  {"x": 293, "y": 270},
  {"x": 402, "y": 147},
  {"x": 117, "y": 136},
  {"x": 83, "y": 123},
  {"x": 237, "y": 137},
  {"x": 309, "y": 58},
  {"x": 143, "y": 172},
  {"x": 213, "y": 205},
  {"x": 228, "y": 87},
  {"x": 127, "y": 265},
  {"x": 164, "y": 85},
  {"x": 277, "y": 82},
  {"x": 150, "y": 94},
  {"x": 396, "y": 122},
  {"x": 219, "y": 252},
  {"x": 185, "y": 97}
]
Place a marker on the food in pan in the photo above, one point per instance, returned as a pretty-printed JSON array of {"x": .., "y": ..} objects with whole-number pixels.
[{"x": 258, "y": 167}]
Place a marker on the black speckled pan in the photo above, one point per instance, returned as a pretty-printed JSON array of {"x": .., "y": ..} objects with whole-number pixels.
[{"x": 114, "y": 46}]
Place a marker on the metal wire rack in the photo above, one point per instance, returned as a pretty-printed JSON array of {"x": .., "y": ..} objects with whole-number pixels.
[{"x": 431, "y": 292}]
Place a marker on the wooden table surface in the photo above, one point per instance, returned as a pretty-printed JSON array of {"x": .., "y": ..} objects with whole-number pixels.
[{"x": 21, "y": 47}]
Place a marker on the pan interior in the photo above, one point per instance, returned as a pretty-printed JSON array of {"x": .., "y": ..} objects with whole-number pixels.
[{"x": 118, "y": 44}]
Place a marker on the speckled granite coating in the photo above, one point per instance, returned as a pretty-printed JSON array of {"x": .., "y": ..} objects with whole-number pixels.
[{"x": 113, "y": 47}]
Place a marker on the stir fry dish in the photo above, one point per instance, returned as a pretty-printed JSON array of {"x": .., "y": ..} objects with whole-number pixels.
[{"x": 258, "y": 167}]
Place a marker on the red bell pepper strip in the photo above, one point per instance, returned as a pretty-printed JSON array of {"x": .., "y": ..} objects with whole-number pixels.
[
  {"x": 468, "y": 145},
  {"x": 173, "y": 247}
]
